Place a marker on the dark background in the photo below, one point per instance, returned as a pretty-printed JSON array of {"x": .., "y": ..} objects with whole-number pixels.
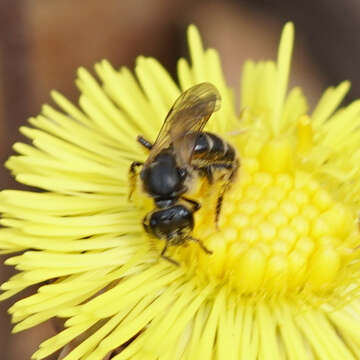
[{"x": 43, "y": 42}]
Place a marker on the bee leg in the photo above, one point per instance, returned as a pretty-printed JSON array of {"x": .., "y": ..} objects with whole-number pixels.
[
  {"x": 144, "y": 142},
  {"x": 166, "y": 257},
  {"x": 226, "y": 166},
  {"x": 196, "y": 206},
  {"x": 201, "y": 245},
  {"x": 218, "y": 208},
  {"x": 224, "y": 189},
  {"x": 219, "y": 203},
  {"x": 132, "y": 176},
  {"x": 145, "y": 223},
  {"x": 207, "y": 172}
]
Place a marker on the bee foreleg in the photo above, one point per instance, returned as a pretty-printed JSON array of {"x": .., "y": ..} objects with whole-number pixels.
[
  {"x": 144, "y": 142},
  {"x": 166, "y": 257},
  {"x": 201, "y": 245},
  {"x": 132, "y": 176},
  {"x": 145, "y": 223}
]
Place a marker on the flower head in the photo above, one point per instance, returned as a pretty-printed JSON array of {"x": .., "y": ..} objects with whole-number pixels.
[{"x": 283, "y": 279}]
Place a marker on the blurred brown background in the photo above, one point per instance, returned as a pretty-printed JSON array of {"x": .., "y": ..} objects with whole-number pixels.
[{"x": 42, "y": 43}]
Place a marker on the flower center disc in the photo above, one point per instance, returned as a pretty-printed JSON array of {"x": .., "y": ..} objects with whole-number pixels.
[{"x": 277, "y": 233}]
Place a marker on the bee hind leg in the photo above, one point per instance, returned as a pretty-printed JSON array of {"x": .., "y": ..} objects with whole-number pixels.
[
  {"x": 224, "y": 189},
  {"x": 206, "y": 171}
]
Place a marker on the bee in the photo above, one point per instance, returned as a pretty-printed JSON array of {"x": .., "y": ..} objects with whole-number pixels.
[{"x": 180, "y": 151}]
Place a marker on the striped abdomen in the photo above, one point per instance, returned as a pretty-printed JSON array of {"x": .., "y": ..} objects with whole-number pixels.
[
  {"x": 212, "y": 154},
  {"x": 211, "y": 148}
]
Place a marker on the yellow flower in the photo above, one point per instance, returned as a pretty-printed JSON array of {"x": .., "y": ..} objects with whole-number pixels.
[{"x": 283, "y": 279}]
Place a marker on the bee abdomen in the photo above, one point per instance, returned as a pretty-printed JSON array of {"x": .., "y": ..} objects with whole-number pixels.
[{"x": 210, "y": 147}]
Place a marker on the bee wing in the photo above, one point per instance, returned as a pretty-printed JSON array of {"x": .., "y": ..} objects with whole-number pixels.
[{"x": 185, "y": 120}]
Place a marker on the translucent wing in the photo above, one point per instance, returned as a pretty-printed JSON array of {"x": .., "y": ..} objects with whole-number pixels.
[{"x": 185, "y": 120}]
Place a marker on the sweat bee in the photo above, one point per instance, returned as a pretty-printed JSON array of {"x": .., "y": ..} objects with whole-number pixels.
[{"x": 181, "y": 151}]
